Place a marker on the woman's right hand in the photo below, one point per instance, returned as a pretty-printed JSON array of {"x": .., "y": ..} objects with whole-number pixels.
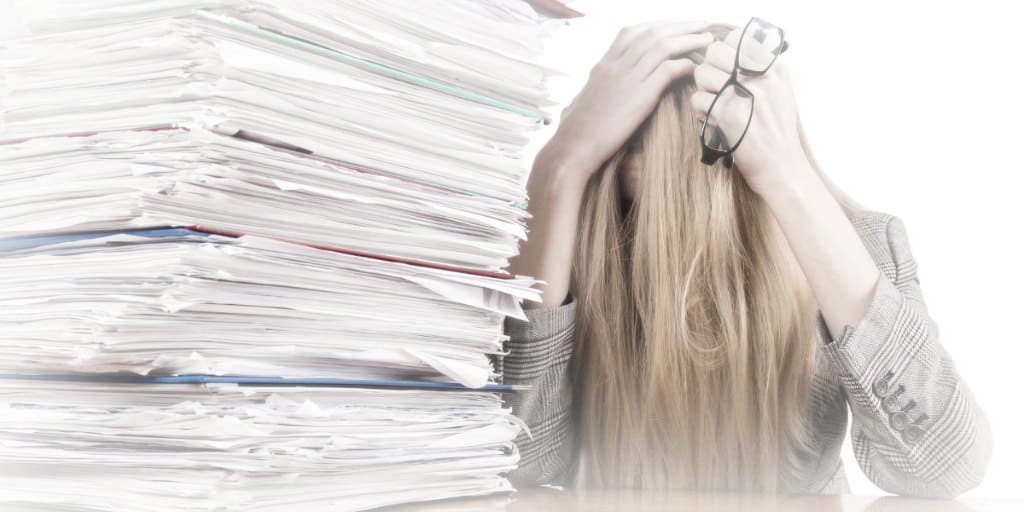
[{"x": 621, "y": 92}]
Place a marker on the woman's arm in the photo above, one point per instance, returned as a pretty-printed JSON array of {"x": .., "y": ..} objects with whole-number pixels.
[
  {"x": 917, "y": 429},
  {"x": 540, "y": 348},
  {"x": 539, "y": 351},
  {"x": 838, "y": 266},
  {"x": 555, "y": 189}
]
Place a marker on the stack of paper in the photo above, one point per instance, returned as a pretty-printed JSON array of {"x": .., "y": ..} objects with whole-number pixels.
[
  {"x": 252, "y": 252},
  {"x": 379, "y": 121},
  {"x": 134, "y": 179},
  {"x": 167, "y": 447},
  {"x": 175, "y": 301}
]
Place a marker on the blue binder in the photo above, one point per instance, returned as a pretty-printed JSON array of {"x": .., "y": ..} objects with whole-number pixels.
[
  {"x": 262, "y": 381},
  {"x": 31, "y": 242}
]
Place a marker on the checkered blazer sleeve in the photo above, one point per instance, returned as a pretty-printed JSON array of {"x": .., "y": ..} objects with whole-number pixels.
[
  {"x": 916, "y": 429},
  {"x": 538, "y": 352}
]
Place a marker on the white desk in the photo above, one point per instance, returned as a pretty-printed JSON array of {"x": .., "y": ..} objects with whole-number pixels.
[{"x": 544, "y": 499}]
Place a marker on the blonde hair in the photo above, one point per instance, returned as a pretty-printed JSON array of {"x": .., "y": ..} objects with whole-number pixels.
[{"x": 695, "y": 325}]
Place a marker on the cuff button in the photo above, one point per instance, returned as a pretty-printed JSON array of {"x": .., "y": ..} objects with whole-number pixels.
[
  {"x": 912, "y": 434},
  {"x": 899, "y": 420},
  {"x": 891, "y": 403},
  {"x": 881, "y": 386}
]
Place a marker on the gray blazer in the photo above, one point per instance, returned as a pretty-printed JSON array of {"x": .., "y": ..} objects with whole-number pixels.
[{"x": 938, "y": 448}]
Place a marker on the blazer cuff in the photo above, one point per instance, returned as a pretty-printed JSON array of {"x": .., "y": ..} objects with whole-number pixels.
[
  {"x": 874, "y": 354},
  {"x": 882, "y": 341},
  {"x": 542, "y": 339}
]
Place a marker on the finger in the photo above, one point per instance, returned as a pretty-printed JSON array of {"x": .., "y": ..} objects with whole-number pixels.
[
  {"x": 754, "y": 53},
  {"x": 628, "y": 35},
  {"x": 780, "y": 68},
  {"x": 653, "y": 36},
  {"x": 709, "y": 78},
  {"x": 733, "y": 37},
  {"x": 721, "y": 56},
  {"x": 668, "y": 48},
  {"x": 668, "y": 71},
  {"x": 701, "y": 102}
]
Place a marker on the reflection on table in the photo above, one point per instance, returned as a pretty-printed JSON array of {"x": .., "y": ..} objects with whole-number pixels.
[{"x": 543, "y": 498}]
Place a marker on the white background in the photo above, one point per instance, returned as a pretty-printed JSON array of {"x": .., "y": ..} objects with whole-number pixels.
[{"x": 914, "y": 109}]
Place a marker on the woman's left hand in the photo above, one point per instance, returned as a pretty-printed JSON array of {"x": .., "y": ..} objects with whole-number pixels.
[{"x": 770, "y": 154}]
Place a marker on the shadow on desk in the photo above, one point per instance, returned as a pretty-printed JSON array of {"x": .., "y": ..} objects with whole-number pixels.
[{"x": 543, "y": 499}]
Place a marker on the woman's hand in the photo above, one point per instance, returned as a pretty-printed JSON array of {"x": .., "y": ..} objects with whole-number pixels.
[
  {"x": 770, "y": 154},
  {"x": 621, "y": 92}
]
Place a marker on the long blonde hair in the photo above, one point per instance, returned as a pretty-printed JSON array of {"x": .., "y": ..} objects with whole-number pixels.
[{"x": 695, "y": 324}]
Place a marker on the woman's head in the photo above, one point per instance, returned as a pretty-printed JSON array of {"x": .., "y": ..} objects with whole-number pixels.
[{"x": 695, "y": 323}]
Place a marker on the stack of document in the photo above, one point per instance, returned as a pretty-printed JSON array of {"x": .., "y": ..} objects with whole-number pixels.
[
  {"x": 176, "y": 301},
  {"x": 376, "y": 121},
  {"x": 252, "y": 252},
  {"x": 166, "y": 447}
]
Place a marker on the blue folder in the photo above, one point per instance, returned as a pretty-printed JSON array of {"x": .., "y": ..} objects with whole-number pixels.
[
  {"x": 262, "y": 381},
  {"x": 31, "y": 242}
]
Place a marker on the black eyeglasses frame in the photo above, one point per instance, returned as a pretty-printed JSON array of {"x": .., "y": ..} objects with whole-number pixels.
[{"x": 711, "y": 155}]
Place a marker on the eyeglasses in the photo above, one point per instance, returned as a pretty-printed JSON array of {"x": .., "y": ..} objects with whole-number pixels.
[{"x": 721, "y": 139}]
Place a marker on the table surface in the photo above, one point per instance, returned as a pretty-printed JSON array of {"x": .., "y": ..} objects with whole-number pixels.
[{"x": 541, "y": 499}]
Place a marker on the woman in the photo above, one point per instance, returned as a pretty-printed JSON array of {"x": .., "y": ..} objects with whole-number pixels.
[{"x": 706, "y": 327}]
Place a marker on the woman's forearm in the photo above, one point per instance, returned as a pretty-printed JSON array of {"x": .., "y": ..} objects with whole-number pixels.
[
  {"x": 838, "y": 267},
  {"x": 555, "y": 189}
]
